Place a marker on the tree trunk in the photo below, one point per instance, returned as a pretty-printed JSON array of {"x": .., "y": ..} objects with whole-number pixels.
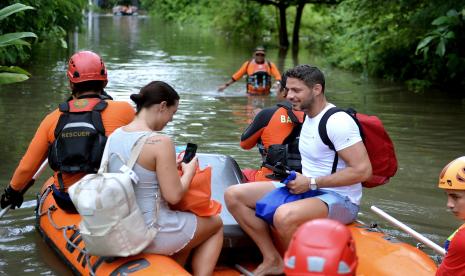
[
  {"x": 298, "y": 18},
  {"x": 295, "y": 55},
  {"x": 281, "y": 62},
  {"x": 283, "y": 38}
]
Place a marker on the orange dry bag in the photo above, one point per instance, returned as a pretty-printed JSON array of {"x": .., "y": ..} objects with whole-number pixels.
[{"x": 198, "y": 197}]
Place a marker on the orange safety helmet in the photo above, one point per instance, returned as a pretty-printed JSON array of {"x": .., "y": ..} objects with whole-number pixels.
[
  {"x": 86, "y": 66},
  {"x": 321, "y": 247},
  {"x": 453, "y": 175}
]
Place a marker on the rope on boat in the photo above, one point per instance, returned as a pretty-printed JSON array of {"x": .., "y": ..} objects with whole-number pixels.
[
  {"x": 42, "y": 200},
  {"x": 64, "y": 229},
  {"x": 84, "y": 252}
]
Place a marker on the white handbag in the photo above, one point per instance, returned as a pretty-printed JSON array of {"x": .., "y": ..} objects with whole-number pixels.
[{"x": 112, "y": 223}]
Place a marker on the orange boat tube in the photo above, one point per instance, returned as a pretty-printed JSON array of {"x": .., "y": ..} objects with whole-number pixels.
[
  {"x": 379, "y": 254},
  {"x": 59, "y": 229}
]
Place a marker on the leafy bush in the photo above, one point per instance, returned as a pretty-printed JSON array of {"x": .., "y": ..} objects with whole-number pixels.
[
  {"x": 443, "y": 48},
  {"x": 10, "y": 74},
  {"x": 51, "y": 20},
  {"x": 233, "y": 18},
  {"x": 382, "y": 39}
]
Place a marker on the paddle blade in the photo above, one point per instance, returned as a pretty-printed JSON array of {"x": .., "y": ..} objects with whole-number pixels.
[{"x": 4, "y": 211}]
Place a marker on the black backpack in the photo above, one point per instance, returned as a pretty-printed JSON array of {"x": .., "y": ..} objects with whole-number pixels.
[{"x": 79, "y": 137}]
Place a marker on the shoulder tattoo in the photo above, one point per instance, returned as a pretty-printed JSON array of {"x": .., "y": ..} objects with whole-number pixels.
[{"x": 152, "y": 141}]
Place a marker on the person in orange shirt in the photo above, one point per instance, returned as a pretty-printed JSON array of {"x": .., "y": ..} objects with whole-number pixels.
[
  {"x": 72, "y": 136},
  {"x": 258, "y": 71},
  {"x": 275, "y": 130}
]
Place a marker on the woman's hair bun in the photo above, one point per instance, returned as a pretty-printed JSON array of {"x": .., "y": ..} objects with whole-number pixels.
[{"x": 136, "y": 98}]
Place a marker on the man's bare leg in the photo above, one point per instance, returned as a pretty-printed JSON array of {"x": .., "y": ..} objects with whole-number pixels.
[
  {"x": 290, "y": 216},
  {"x": 240, "y": 200}
]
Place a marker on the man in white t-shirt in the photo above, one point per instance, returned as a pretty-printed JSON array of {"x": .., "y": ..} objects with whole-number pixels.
[{"x": 335, "y": 196}]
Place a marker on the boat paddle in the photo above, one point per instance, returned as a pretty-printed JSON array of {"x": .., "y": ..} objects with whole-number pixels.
[
  {"x": 29, "y": 184},
  {"x": 409, "y": 230},
  {"x": 243, "y": 270}
]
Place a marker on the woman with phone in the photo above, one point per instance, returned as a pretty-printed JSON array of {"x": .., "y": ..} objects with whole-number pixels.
[{"x": 179, "y": 233}]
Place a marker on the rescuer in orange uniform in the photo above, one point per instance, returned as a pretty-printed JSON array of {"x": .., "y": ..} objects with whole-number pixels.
[
  {"x": 74, "y": 135},
  {"x": 259, "y": 72},
  {"x": 275, "y": 130}
]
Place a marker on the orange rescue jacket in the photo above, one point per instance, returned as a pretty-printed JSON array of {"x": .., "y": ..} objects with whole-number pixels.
[
  {"x": 253, "y": 71},
  {"x": 270, "y": 126},
  {"x": 116, "y": 114}
]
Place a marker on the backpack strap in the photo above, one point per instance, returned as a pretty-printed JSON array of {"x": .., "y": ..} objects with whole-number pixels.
[
  {"x": 61, "y": 184},
  {"x": 353, "y": 113},
  {"x": 64, "y": 108},
  {"x": 324, "y": 134},
  {"x": 136, "y": 149},
  {"x": 104, "y": 96},
  {"x": 135, "y": 152},
  {"x": 287, "y": 105},
  {"x": 97, "y": 116},
  {"x": 62, "y": 121}
]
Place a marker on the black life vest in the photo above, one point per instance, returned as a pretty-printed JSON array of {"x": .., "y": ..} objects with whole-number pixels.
[
  {"x": 79, "y": 137},
  {"x": 286, "y": 154}
]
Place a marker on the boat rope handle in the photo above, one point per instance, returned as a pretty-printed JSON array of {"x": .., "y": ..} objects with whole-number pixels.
[
  {"x": 51, "y": 209},
  {"x": 84, "y": 252},
  {"x": 64, "y": 229},
  {"x": 42, "y": 200}
]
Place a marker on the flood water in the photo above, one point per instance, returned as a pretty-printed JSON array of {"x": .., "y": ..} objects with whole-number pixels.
[{"x": 427, "y": 128}]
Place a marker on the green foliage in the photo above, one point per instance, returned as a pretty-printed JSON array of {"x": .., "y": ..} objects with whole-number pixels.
[
  {"x": 13, "y": 74},
  {"x": 16, "y": 39},
  {"x": 9, "y": 10},
  {"x": 249, "y": 19},
  {"x": 252, "y": 21},
  {"x": 382, "y": 38},
  {"x": 443, "y": 34},
  {"x": 417, "y": 85},
  {"x": 316, "y": 21},
  {"x": 50, "y": 20},
  {"x": 443, "y": 48}
]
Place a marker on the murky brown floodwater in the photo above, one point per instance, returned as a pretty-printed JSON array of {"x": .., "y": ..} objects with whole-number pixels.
[{"x": 427, "y": 128}]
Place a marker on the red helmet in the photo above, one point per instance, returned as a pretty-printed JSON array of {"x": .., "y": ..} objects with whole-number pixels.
[
  {"x": 86, "y": 66},
  {"x": 321, "y": 247}
]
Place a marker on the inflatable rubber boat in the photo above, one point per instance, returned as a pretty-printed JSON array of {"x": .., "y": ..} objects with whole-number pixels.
[{"x": 378, "y": 253}]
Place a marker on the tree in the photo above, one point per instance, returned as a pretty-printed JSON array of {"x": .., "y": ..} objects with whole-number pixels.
[{"x": 282, "y": 6}]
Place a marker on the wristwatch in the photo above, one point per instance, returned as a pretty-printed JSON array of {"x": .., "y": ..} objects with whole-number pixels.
[{"x": 313, "y": 186}]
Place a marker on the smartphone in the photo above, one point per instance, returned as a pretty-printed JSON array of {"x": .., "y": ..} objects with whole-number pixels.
[{"x": 191, "y": 149}]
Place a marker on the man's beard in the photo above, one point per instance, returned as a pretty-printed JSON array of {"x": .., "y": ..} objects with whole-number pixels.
[{"x": 306, "y": 105}]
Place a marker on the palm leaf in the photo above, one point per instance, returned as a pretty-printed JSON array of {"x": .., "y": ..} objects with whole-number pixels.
[
  {"x": 14, "y": 69},
  {"x": 16, "y": 42},
  {"x": 13, "y": 9},
  {"x": 11, "y": 38},
  {"x": 6, "y": 77}
]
